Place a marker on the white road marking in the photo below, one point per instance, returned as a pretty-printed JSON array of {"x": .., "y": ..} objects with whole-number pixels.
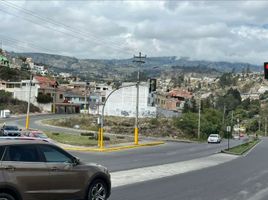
[{"x": 122, "y": 178}]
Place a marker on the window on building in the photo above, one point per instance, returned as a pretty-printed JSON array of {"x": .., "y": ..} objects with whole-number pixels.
[
  {"x": 103, "y": 99},
  {"x": 61, "y": 96}
]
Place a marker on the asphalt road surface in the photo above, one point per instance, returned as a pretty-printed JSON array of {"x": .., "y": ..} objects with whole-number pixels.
[
  {"x": 244, "y": 178},
  {"x": 134, "y": 158}
]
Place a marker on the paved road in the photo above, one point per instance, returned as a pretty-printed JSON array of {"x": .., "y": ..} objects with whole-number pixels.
[
  {"x": 136, "y": 158},
  {"x": 143, "y": 157},
  {"x": 244, "y": 178},
  {"x": 35, "y": 122}
]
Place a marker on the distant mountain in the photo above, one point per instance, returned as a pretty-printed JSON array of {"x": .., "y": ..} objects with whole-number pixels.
[{"x": 119, "y": 68}]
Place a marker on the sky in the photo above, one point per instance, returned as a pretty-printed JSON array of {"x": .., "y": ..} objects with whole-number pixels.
[{"x": 234, "y": 31}]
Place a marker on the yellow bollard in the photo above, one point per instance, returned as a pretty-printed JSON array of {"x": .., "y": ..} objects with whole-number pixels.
[
  {"x": 136, "y": 136},
  {"x": 101, "y": 138},
  {"x": 27, "y": 121}
]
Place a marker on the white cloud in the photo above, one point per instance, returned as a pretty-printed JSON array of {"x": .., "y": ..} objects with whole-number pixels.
[{"x": 214, "y": 30}]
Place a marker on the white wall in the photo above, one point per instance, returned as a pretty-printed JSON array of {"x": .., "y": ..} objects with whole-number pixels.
[
  {"x": 123, "y": 102},
  {"x": 23, "y": 93}
]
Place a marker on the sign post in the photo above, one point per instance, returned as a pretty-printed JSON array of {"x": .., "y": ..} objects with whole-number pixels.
[{"x": 228, "y": 129}]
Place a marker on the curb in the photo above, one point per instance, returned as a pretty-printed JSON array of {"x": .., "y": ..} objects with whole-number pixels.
[
  {"x": 112, "y": 149},
  {"x": 244, "y": 153}
]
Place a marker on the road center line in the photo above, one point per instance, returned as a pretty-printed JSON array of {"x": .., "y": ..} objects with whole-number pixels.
[{"x": 122, "y": 178}]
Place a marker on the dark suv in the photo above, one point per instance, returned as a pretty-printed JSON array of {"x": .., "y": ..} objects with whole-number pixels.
[{"x": 36, "y": 170}]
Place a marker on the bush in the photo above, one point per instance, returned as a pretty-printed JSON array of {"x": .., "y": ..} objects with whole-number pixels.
[
  {"x": 88, "y": 134},
  {"x": 44, "y": 98}
]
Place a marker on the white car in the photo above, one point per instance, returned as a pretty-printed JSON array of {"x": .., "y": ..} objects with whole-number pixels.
[{"x": 214, "y": 138}]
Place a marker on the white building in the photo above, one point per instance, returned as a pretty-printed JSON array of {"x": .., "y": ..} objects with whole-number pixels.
[
  {"x": 123, "y": 102},
  {"x": 22, "y": 93}
]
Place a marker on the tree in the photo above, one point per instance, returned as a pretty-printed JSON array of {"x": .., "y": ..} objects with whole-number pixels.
[
  {"x": 178, "y": 80},
  {"x": 211, "y": 122},
  {"x": 44, "y": 98},
  {"x": 194, "y": 107},
  {"x": 188, "y": 123},
  {"x": 231, "y": 100},
  {"x": 186, "y": 107},
  {"x": 227, "y": 80}
]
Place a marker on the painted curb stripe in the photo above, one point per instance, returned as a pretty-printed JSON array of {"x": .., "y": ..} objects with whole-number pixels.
[{"x": 111, "y": 149}]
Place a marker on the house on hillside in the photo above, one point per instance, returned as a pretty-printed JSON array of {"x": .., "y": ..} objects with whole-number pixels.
[
  {"x": 4, "y": 62},
  {"x": 173, "y": 100}
]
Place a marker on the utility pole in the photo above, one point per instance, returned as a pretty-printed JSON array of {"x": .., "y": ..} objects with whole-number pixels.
[
  {"x": 85, "y": 108},
  {"x": 139, "y": 60},
  {"x": 265, "y": 131},
  {"x": 199, "y": 118},
  {"x": 232, "y": 122},
  {"x": 223, "y": 118},
  {"x": 259, "y": 124},
  {"x": 238, "y": 121},
  {"x": 29, "y": 103}
]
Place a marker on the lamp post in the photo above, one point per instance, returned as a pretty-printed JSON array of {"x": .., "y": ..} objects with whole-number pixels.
[{"x": 101, "y": 119}]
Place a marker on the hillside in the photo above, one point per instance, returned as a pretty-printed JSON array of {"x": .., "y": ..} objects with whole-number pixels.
[
  {"x": 9, "y": 74},
  {"x": 116, "y": 69}
]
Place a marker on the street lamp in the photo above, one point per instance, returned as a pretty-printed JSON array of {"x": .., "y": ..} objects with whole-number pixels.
[{"x": 101, "y": 119}]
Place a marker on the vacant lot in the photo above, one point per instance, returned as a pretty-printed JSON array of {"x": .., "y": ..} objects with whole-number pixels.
[{"x": 120, "y": 125}]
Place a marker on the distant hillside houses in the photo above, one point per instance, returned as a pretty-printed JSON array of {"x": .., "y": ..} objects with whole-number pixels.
[{"x": 4, "y": 62}]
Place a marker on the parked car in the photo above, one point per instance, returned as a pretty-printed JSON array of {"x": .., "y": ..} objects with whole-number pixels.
[
  {"x": 8, "y": 130},
  {"x": 37, "y": 170},
  {"x": 36, "y": 134},
  {"x": 214, "y": 138}
]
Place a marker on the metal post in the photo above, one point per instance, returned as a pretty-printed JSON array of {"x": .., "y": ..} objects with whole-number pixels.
[
  {"x": 223, "y": 118},
  {"x": 54, "y": 99},
  {"x": 229, "y": 140},
  {"x": 136, "y": 131},
  {"x": 85, "y": 107},
  {"x": 259, "y": 124},
  {"x": 238, "y": 129},
  {"x": 265, "y": 127},
  {"x": 199, "y": 119},
  {"x": 136, "y": 128},
  {"x": 29, "y": 103}
]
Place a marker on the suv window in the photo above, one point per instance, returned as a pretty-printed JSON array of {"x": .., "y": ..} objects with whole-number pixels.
[
  {"x": 52, "y": 154},
  {"x": 2, "y": 149},
  {"x": 22, "y": 153}
]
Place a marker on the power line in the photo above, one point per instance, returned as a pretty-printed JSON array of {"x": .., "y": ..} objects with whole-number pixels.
[
  {"x": 83, "y": 35},
  {"x": 27, "y": 44}
]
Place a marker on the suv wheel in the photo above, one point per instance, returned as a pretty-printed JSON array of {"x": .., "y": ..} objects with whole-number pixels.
[
  {"x": 5, "y": 196},
  {"x": 97, "y": 190}
]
